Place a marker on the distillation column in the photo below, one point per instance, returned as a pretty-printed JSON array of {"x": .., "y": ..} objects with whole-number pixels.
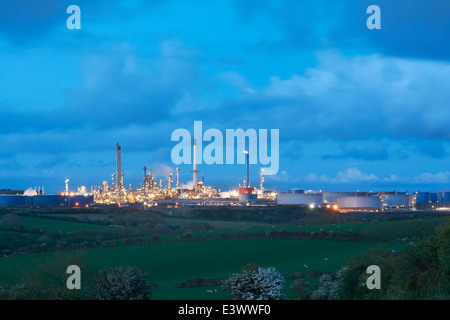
[
  {"x": 195, "y": 167},
  {"x": 119, "y": 173}
]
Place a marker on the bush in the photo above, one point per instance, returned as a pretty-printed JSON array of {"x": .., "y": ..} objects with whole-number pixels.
[
  {"x": 256, "y": 283},
  {"x": 300, "y": 286},
  {"x": 420, "y": 271},
  {"x": 122, "y": 283},
  {"x": 199, "y": 282},
  {"x": 328, "y": 289}
]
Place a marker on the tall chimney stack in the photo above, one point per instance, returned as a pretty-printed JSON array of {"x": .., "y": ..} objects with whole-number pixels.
[
  {"x": 178, "y": 181},
  {"x": 119, "y": 170},
  {"x": 169, "y": 185}
]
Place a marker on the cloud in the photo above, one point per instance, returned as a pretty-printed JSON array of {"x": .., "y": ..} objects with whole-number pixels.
[
  {"x": 408, "y": 28},
  {"x": 354, "y": 98},
  {"x": 282, "y": 176},
  {"x": 50, "y": 161},
  {"x": 423, "y": 178},
  {"x": 238, "y": 81},
  {"x": 162, "y": 170},
  {"x": 368, "y": 107},
  {"x": 188, "y": 185},
  {"x": 349, "y": 175},
  {"x": 392, "y": 178},
  {"x": 25, "y": 22},
  {"x": 434, "y": 149},
  {"x": 367, "y": 153},
  {"x": 440, "y": 177},
  {"x": 22, "y": 20},
  {"x": 119, "y": 88}
]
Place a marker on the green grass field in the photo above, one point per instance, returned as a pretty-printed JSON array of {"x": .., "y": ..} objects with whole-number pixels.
[
  {"x": 91, "y": 216},
  {"x": 169, "y": 263},
  {"x": 63, "y": 226},
  {"x": 217, "y": 224}
]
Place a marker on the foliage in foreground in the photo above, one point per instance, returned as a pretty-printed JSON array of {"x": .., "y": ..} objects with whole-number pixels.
[
  {"x": 256, "y": 283},
  {"x": 420, "y": 271},
  {"x": 122, "y": 283},
  {"x": 47, "y": 281}
]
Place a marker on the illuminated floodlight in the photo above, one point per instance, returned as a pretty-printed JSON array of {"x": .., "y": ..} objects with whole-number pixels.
[{"x": 311, "y": 206}]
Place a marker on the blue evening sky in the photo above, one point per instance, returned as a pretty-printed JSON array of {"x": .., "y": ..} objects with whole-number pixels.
[{"x": 357, "y": 109}]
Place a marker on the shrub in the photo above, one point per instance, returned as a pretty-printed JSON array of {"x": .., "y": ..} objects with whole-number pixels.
[
  {"x": 300, "y": 286},
  {"x": 256, "y": 283},
  {"x": 122, "y": 283},
  {"x": 328, "y": 289}
]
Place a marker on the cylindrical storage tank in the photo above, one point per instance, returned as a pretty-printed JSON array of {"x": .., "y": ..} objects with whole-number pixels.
[
  {"x": 398, "y": 200},
  {"x": 296, "y": 191},
  {"x": 12, "y": 200},
  {"x": 331, "y": 197},
  {"x": 48, "y": 200},
  {"x": 372, "y": 203},
  {"x": 423, "y": 197},
  {"x": 79, "y": 200},
  {"x": 444, "y": 196},
  {"x": 304, "y": 199},
  {"x": 433, "y": 197}
]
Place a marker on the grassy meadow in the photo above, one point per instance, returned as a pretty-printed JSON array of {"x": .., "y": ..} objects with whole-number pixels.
[{"x": 172, "y": 260}]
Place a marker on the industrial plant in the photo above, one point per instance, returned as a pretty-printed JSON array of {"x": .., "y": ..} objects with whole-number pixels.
[
  {"x": 172, "y": 193},
  {"x": 366, "y": 201},
  {"x": 152, "y": 192}
]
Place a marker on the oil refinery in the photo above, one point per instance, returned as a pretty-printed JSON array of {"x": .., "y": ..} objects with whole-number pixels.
[{"x": 154, "y": 192}]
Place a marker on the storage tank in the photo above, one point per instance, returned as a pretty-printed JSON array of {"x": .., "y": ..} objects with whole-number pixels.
[
  {"x": 433, "y": 197},
  {"x": 12, "y": 200},
  {"x": 398, "y": 200},
  {"x": 370, "y": 203},
  {"x": 296, "y": 191},
  {"x": 304, "y": 199},
  {"x": 444, "y": 196},
  {"x": 79, "y": 200},
  {"x": 49, "y": 200},
  {"x": 331, "y": 197},
  {"x": 423, "y": 197},
  {"x": 30, "y": 192}
]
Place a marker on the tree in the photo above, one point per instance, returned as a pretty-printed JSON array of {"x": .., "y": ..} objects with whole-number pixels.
[
  {"x": 328, "y": 289},
  {"x": 3, "y": 293},
  {"x": 11, "y": 220},
  {"x": 300, "y": 286},
  {"x": 353, "y": 278},
  {"x": 122, "y": 283},
  {"x": 256, "y": 283},
  {"x": 443, "y": 241},
  {"x": 155, "y": 238},
  {"x": 47, "y": 281}
]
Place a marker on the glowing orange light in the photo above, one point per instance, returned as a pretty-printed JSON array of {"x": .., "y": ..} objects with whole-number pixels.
[{"x": 77, "y": 204}]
